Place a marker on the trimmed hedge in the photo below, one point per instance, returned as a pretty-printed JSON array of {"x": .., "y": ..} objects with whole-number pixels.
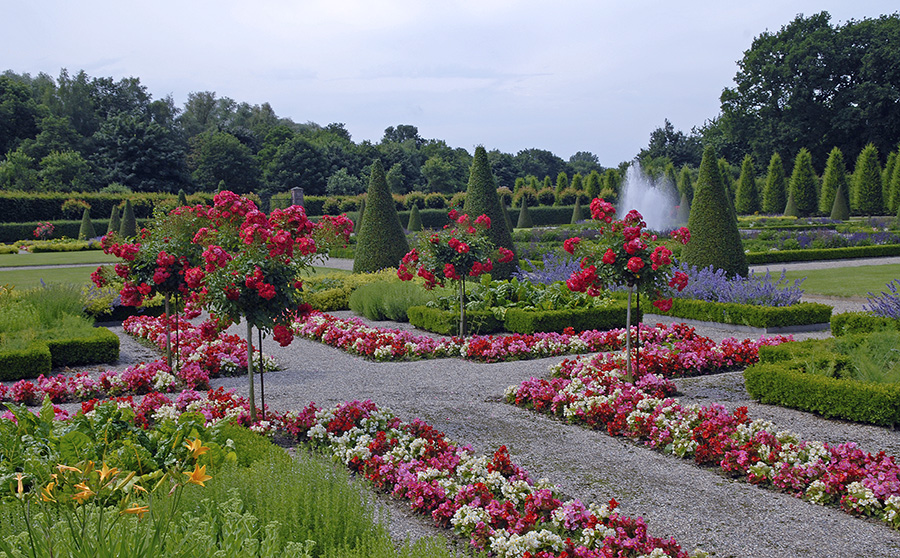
[
  {"x": 804, "y": 313},
  {"x": 580, "y": 319},
  {"x": 446, "y": 322},
  {"x": 777, "y": 256},
  {"x": 25, "y": 363},
  {"x": 861, "y": 322},
  {"x": 101, "y": 346},
  {"x": 13, "y": 232},
  {"x": 47, "y": 206},
  {"x": 778, "y": 384}
]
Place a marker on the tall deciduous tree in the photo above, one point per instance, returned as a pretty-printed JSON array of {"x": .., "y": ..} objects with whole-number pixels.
[
  {"x": 803, "y": 184},
  {"x": 866, "y": 194},
  {"x": 747, "y": 199},
  {"x": 834, "y": 177},
  {"x": 715, "y": 240},
  {"x": 774, "y": 193},
  {"x": 219, "y": 156},
  {"x": 380, "y": 242},
  {"x": 481, "y": 199}
]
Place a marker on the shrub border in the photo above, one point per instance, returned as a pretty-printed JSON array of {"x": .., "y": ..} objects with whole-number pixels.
[{"x": 805, "y": 316}]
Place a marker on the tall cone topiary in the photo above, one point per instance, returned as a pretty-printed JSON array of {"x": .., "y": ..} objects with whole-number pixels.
[
  {"x": 415, "y": 220},
  {"x": 506, "y": 210},
  {"x": 866, "y": 193},
  {"x": 685, "y": 183},
  {"x": 114, "y": 221},
  {"x": 715, "y": 240},
  {"x": 362, "y": 209},
  {"x": 774, "y": 195},
  {"x": 834, "y": 177},
  {"x": 746, "y": 199},
  {"x": 684, "y": 210},
  {"x": 524, "y": 221},
  {"x": 803, "y": 184},
  {"x": 381, "y": 241},
  {"x": 840, "y": 209},
  {"x": 128, "y": 226},
  {"x": 895, "y": 186},
  {"x": 790, "y": 209},
  {"x": 482, "y": 199},
  {"x": 86, "y": 231},
  {"x": 576, "y": 212}
]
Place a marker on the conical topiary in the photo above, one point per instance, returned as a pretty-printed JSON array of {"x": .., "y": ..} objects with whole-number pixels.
[
  {"x": 840, "y": 209},
  {"x": 685, "y": 183},
  {"x": 128, "y": 227},
  {"x": 86, "y": 231},
  {"x": 803, "y": 184},
  {"x": 790, "y": 209},
  {"x": 746, "y": 200},
  {"x": 866, "y": 196},
  {"x": 576, "y": 212},
  {"x": 895, "y": 186},
  {"x": 507, "y": 218},
  {"x": 524, "y": 221},
  {"x": 114, "y": 221},
  {"x": 381, "y": 241},
  {"x": 415, "y": 220},
  {"x": 684, "y": 210},
  {"x": 834, "y": 177},
  {"x": 715, "y": 240},
  {"x": 482, "y": 199},
  {"x": 362, "y": 210},
  {"x": 182, "y": 198},
  {"x": 774, "y": 195}
]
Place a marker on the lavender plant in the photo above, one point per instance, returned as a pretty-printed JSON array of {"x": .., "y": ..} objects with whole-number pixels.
[
  {"x": 886, "y": 305},
  {"x": 712, "y": 285},
  {"x": 554, "y": 267}
]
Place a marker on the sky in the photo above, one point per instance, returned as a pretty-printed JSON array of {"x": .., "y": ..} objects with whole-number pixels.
[{"x": 564, "y": 76}]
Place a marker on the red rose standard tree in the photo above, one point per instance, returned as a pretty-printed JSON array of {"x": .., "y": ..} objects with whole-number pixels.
[
  {"x": 625, "y": 254},
  {"x": 461, "y": 249}
]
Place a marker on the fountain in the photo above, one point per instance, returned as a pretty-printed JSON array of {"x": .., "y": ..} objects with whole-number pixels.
[{"x": 656, "y": 200}]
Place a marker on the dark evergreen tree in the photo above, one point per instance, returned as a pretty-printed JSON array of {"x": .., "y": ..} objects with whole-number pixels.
[
  {"x": 381, "y": 241},
  {"x": 86, "y": 232},
  {"x": 524, "y": 221},
  {"x": 866, "y": 196},
  {"x": 747, "y": 198},
  {"x": 415, "y": 220},
  {"x": 686, "y": 183},
  {"x": 114, "y": 221},
  {"x": 834, "y": 177},
  {"x": 715, "y": 240},
  {"x": 482, "y": 199},
  {"x": 840, "y": 209},
  {"x": 774, "y": 195},
  {"x": 128, "y": 226},
  {"x": 803, "y": 184}
]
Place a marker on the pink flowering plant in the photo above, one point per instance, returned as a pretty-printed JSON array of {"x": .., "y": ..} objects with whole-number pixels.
[
  {"x": 628, "y": 255},
  {"x": 44, "y": 230},
  {"x": 460, "y": 250}
]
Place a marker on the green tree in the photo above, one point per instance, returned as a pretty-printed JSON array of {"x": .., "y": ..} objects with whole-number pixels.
[
  {"x": 381, "y": 241},
  {"x": 342, "y": 183},
  {"x": 415, "y": 220},
  {"x": 524, "y": 221},
  {"x": 674, "y": 146},
  {"x": 481, "y": 199},
  {"x": 114, "y": 221},
  {"x": 439, "y": 174},
  {"x": 834, "y": 177},
  {"x": 182, "y": 198},
  {"x": 715, "y": 240},
  {"x": 774, "y": 195},
  {"x": 65, "y": 171},
  {"x": 840, "y": 209},
  {"x": 17, "y": 172},
  {"x": 86, "y": 231},
  {"x": 128, "y": 227},
  {"x": 19, "y": 114},
  {"x": 886, "y": 174},
  {"x": 562, "y": 182},
  {"x": 866, "y": 195},
  {"x": 803, "y": 184},
  {"x": 727, "y": 178},
  {"x": 684, "y": 210},
  {"x": 895, "y": 186},
  {"x": 577, "y": 182},
  {"x": 362, "y": 209},
  {"x": 686, "y": 182},
  {"x": 298, "y": 164},
  {"x": 593, "y": 185},
  {"x": 219, "y": 156},
  {"x": 747, "y": 199}
]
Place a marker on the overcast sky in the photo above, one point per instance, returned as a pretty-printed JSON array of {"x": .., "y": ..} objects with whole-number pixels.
[{"x": 566, "y": 76}]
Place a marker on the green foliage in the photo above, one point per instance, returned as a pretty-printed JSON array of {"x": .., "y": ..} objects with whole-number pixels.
[
  {"x": 415, "y": 220},
  {"x": 840, "y": 209},
  {"x": 803, "y": 184},
  {"x": 29, "y": 362},
  {"x": 380, "y": 242},
  {"x": 331, "y": 291},
  {"x": 686, "y": 183},
  {"x": 546, "y": 196},
  {"x": 834, "y": 177},
  {"x": 812, "y": 254},
  {"x": 388, "y": 300},
  {"x": 446, "y": 322},
  {"x": 577, "y": 214},
  {"x": 482, "y": 199},
  {"x": 362, "y": 210},
  {"x": 895, "y": 187},
  {"x": 86, "y": 231},
  {"x": 774, "y": 194},
  {"x": 847, "y": 323},
  {"x": 746, "y": 198},
  {"x": 790, "y": 210},
  {"x": 524, "y": 221},
  {"x": 101, "y": 345},
  {"x": 684, "y": 211},
  {"x": 715, "y": 240},
  {"x": 805, "y": 313},
  {"x": 866, "y": 196},
  {"x": 20, "y": 207},
  {"x": 128, "y": 227},
  {"x": 518, "y": 320},
  {"x": 114, "y": 220}
]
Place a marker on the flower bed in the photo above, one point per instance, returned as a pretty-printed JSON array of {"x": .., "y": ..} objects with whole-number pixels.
[{"x": 589, "y": 392}]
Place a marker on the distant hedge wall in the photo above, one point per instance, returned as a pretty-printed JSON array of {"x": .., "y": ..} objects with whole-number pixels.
[{"x": 18, "y": 207}]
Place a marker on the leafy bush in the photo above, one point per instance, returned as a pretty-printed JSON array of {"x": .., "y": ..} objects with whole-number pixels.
[
  {"x": 714, "y": 285},
  {"x": 804, "y": 313},
  {"x": 435, "y": 201},
  {"x": 518, "y": 320},
  {"x": 497, "y": 296},
  {"x": 446, "y": 322},
  {"x": 331, "y": 291},
  {"x": 388, "y": 301},
  {"x": 861, "y": 322},
  {"x": 546, "y": 196}
]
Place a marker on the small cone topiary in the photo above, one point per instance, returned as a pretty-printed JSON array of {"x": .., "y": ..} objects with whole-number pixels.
[
  {"x": 482, "y": 199},
  {"x": 415, "y": 220},
  {"x": 114, "y": 221},
  {"x": 746, "y": 200},
  {"x": 381, "y": 241},
  {"x": 774, "y": 196},
  {"x": 803, "y": 185},
  {"x": 128, "y": 227},
  {"x": 867, "y": 196},
  {"x": 576, "y": 212},
  {"x": 684, "y": 210},
  {"x": 835, "y": 176},
  {"x": 790, "y": 209},
  {"x": 840, "y": 209},
  {"x": 524, "y": 216},
  {"x": 715, "y": 240},
  {"x": 182, "y": 198},
  {"x": 86, "y": 231}
]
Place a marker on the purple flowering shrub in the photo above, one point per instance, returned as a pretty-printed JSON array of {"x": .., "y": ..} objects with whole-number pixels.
[
  {"x": 714, "y": 286},
  {"x": 759, "y": 241},
  {"x": 886, "y": 305},
  {"x": 555, "y": 267}
]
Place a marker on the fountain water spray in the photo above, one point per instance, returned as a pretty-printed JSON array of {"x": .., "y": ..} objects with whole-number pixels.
[{"x": 656, "y": 200}]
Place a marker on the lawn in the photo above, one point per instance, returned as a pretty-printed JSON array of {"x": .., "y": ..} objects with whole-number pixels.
[
  {"x": 846, "y": 281},
  {"x": 56, "y": 258}
]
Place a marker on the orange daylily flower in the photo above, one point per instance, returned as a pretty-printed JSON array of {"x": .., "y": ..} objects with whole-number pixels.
[
  {"x": 85, "y": 493},
  {"x": 137, "y": 510},
  {"x": 21, "y": 488},
  {"x": 196, "y": 447},
  {"x": 106, "y": 472},
  {"x": 198, "y": 476},
  {"x": 47, "y": 492},
  {"x": 62, "y": 468}
]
